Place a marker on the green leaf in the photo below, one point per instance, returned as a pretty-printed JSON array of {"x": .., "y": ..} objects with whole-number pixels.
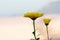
[
  {"x": 37, "y": 38},
  {"x": 33, "y": 33}
]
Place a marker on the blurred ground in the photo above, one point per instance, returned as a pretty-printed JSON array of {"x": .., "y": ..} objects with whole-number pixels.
[{"x": 21, "y": 28}]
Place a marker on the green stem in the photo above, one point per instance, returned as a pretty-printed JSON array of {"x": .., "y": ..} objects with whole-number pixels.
[
  {"x": 34, "y": 29},
  {"x": 47, "y": 32}
]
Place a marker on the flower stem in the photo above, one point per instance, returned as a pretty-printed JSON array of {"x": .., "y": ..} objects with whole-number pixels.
[
  {"x": 47, "y": 33},
  {"x": 34, "y": 29}
]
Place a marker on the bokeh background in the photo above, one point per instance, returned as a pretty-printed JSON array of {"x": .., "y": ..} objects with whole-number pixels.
[
  {"x": 13, "y": 26},
  {"x": 19, "y": 7}
]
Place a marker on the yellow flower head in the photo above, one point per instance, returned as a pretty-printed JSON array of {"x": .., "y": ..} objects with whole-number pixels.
[
  {"x": 46, "y": 20},
  {"x": 33, "y": 15}
]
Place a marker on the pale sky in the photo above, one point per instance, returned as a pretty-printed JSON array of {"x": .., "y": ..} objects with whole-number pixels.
[{"x": 19, "y": 7}]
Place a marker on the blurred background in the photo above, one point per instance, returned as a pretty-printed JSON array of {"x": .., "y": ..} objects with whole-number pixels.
[
  {"x": 13, "y": 26},
  {"x": 19, "y": 7}
]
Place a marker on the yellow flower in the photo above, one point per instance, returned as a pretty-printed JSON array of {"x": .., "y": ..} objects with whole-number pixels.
[
  {"x": 46, "y": 20},
  {"x": 33, "y": 15}
]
